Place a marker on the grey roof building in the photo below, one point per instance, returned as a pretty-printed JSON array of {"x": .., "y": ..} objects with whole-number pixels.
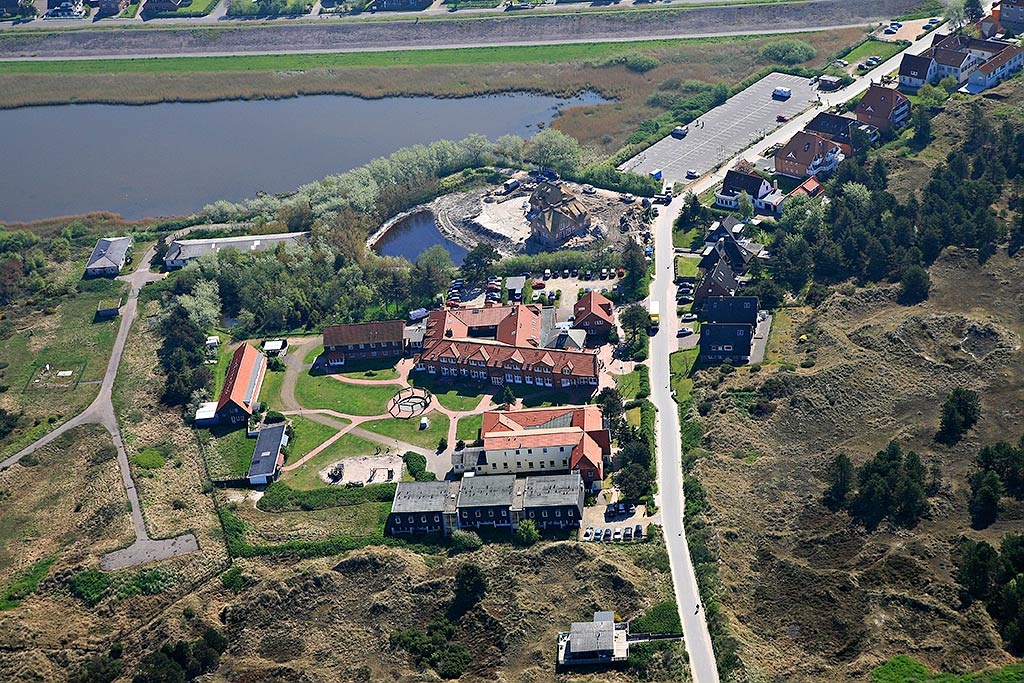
[
  {"x": 182, "y": 251},
  {"x": 553, "y": 490},
  {"x": 487, "y": 491},
  {"x": 423, "y": 507},
  {"x": 266, "y": 457},
  {"x": 600, "y": 641},
  {"x": 108, "y": 256},
  {"x": 420, "y": 496}
]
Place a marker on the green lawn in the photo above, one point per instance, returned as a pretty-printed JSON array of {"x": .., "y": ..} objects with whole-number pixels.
[
  {"x": 307, "y": 435},
  {"x": 628, "y": 385},
  {"x": 377, "y": 371},
  {"x": 686, "y": 239},
  {"x": 469, "y": 428},
  {"x": 313, "y": 355},
  {"x": 680, "y": 364},
  {"x": 224, "y": 353},
  {"x": 366, "y": 519},
  {"x": 903, "y": 669},
  {"x": 307, "y": 477},
  {"x": 197, "y": 8},
  {"x": 543, "y": 54},
  {"x": 458, "y": 396},
  {"x": 409, "y": 430},
  {"x": 871, "y": 47},
  {"x": 231, "y": 454},
  {"x": 270, "y": 392},
  {"x": 633, "y": 417},
  {"x": 323, "y": 391},
  {"x": 686, "y": 267}
]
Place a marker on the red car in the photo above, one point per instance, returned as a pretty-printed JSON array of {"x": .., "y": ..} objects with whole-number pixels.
[
  {"x": 781, "y": 117},
  {"x": 539, "y": 284}
]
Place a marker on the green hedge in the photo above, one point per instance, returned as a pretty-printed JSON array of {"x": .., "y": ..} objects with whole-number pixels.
[
  {"x": 417, "y": 466},
  {"x": 662, "y": 618},
  {"x": 644, "y": 382},
  {"x": 610, "y": 178},
  {"x": 280, "y": 497}
]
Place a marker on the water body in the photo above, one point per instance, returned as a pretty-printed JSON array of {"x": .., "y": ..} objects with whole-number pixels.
[
  {"x": 174, "y": 158},
  {"x": 414, "y": 234}
]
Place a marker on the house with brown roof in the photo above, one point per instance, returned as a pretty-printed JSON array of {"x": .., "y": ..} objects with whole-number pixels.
[
  {"x": 540, "y": 440},
  {"x": 808, "y": 154},
  {"x": 556, "y": 214},
  {"x": 364, "y": 342},
  {"x": 240, "y": 393},
  {"x": 502, "y": 345},
  {"x": 719, "y": 281},
  {"x": 997, "y": 69},
  {"x": 594, "y": 312},
  {"x": 884, "y": 108}
]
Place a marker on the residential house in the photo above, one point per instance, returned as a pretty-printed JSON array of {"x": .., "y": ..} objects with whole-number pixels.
[
  {"x": 108, "y": 7},
  {"x": 502, "y": 345},
  {"x": 730, "y": 226},
  {"x": 952, "y": 63},
  {"x": 267, "y": 457},
  {"x": 554, "y": 501},
  {"x": 840, "y": 129},
  {"x": 729, "y": 248},
  {"x": 275, "y": 347},
  {"x": 556, "y": 214},
  {"x": 808, "y": 154},
  {"x": 731, "y": 309},
  {"x": 364, "y": 342},
  {"x": 562, "y": 439},
  {"x": 423, "y": 507},
  {"x": 109, "y": 256},
  {"x": 721, "y": 342},
  {"x": 486, "y": 502},
  {"x": 989, "y": 26},
  {"x": 594, "y": 312},
  {"x": 165, "y": 5},
  {"x": 884, "y": 108},
  {"x": 997, "y": 69},
  {"x": 1010, "y": 14},
  {"x": 810, "y": 187},
  {"x": 719, "y": 281},
  {"x": 240, "y": 394},
  {"x": 829, "y": 83},
  {"x": 738, "y": 182},
  {"x": 601, "y": 641},
  {"x": 181, "y": 252}
]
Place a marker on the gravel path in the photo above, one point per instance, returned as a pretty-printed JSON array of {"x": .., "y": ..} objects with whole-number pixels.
[{"x": 352, "y": 36}]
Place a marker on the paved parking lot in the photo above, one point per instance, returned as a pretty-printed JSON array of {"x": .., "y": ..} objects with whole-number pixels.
[
  {"x": 594, "y": 516},
  {"x": 726, "y": 129}
]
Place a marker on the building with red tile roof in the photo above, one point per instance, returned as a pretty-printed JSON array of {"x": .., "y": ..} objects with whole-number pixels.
[
  {"x": 501, "y": 345},
  {"x": 242, "y": 383},
  {"x": 884, "y": 108},
  {"x": 594, "y": 312},
  {"x": 571, "y": 438}
]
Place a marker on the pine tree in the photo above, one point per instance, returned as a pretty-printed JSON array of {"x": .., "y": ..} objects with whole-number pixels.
[{"x": 840, "y": 476}]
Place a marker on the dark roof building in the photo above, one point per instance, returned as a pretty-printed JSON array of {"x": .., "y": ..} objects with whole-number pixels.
[
  {"x": 731, "y": 309},
  {"x": 108, "y": 256},
  {"x": 727, "y": 248},
  {"x": 838, "y": 129},
  {"x": 554, "y": 501},
  {"x": 601, "y": 641},
  {"x": 423, "y": 507},
  {"x": 720, "y": 281},
  {"x": 267, "y": 457},
  {"x": 181, "y": 252},
  {"x": 364, "y": 341},
  {"x": 721, "y": 342}
]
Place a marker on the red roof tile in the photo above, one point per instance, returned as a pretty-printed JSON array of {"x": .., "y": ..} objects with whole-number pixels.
[{"x": 244, "y": 375}]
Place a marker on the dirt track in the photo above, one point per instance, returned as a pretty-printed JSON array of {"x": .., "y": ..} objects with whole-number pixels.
[{"x": 338, "y": 36}]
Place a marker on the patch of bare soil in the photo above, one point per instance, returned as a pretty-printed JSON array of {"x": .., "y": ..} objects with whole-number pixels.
[{"x": 810, "y": 595}]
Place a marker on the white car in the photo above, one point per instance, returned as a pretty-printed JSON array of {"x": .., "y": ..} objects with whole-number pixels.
[
  {"x": 684, "y": 332},
  {"x": 588, "y": 535},
  {"x": 688, "y": 317},
  {"x": 691, "y": 174},
  {"x": 589, "y": 189}
]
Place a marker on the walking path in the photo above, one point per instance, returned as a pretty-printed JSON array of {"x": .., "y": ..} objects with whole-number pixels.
[{"x": 101, "y": 412}]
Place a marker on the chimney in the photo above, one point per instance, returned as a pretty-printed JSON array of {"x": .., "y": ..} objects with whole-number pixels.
[{"x": 775, "y": 185}]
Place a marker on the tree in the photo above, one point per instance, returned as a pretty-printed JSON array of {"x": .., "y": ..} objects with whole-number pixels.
[
  {"x": 633, "y": 319},
  {"x": 915, "y": 285},
  {"x": 526, "y": 533},
  {"x": 973, "y": 11},
  {"x": 509, "y": 148},
  {"x": 922, "y": 127},
  {"x": 611, "y": 404},
  {"x": 960, "y": 412},
  {"x": 746, "y": 207},
  {"x": 634, "y": 481},
  {"x": 986, "y": 489},
  {"x": 508, "y": 396},
  {"x": 554, "y": 149},
  {"x": 890, "y": 486},
  {"x": 955, "y": 14},
  {"x": 470, "y": 585},
  {"x": 477, "y": 263},
  {"x": 840, "y": 476},
  {"x": 432, "y": 272},
  {"x": 979, "y": 563},
  {"x": 465, "y": 541},
  {"x": 636, "y": 451},
  {"x": 635, "y": 283}
]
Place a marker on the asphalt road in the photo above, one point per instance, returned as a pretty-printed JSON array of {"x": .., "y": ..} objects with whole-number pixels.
[
  {"x": 725, "y": 130},
  {"x": 670, "y": 486}
]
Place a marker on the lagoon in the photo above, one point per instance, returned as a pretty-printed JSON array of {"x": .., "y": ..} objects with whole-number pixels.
[{"x": 172, "y": 159}]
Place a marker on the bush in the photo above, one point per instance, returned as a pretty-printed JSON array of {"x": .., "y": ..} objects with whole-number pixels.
[
  {"x": 526, "y": 533},
  {"x": 273, "y": 417},
  {"x": 417, "y": 466},
  {"x": 662, "y": 618},
  {"x": 279, "y": 497},
  {"x": 234, "y": 580},
  {"x": 789, "y": 51},
  {"x": 90, "y": 586},
  {"x": 149, "y": 459},
  {"x": 465, "y": 541},
  {"x": 644, "y": 382},
  {"x": 634, "y": 61}
]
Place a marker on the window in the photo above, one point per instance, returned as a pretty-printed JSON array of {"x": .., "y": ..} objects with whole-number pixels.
[
  {"x": 529, "y": 451},
  {"x": 504, "y": 513},
  {"x": 565, "y": 463},
  {"x": 436, "y": 518},
  {"x": 465, "y": 514},
  {"x": 362, "y": 346},
  {"x": 544, "y": 514},
  {"x": 494, "y": 465},
  {"x": 558, "y": 513},
  {"x": 739, "y": 333},
  {"x": 552, "y": 463},
  {"x": 477, "y": 513},
  {"x": 490, "y": 513},
  {"x": 505, "y": 464},
  {"x": 545, "y": 449},
  {"x": 412, "y": 520},
  {"x": 373, "y": 345},
  {"x": 423, "y": 519},
  {"x": 531, "y": 464}
]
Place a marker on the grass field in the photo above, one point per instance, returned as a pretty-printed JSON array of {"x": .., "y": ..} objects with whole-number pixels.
[
  {"x": 628, "y": 385},
  {"x": 196, "y": 9},
  {"x": 233, "y": 451},
  {"x": 680, "y": 364},
  {"x": 307, "y": 435},
  {"x": 270, "y": 392},
  {"x": 461, "y": 397},
  {"x": 869, "y": 48},
  {"x": 323, "y": 391},
  {"x": 468, "y": 428},
  {"x": 314, "y": 525},
  {"x": 368, "y": 371},
  {"x": 633, "y": 417},
  {"x": 686, "y": 267},
  {"x": 409, "y": 430},
  {"x": 687, "y": 239},
  {"x": 306, "y": 477},
  {"x": 313, "y": 354}
]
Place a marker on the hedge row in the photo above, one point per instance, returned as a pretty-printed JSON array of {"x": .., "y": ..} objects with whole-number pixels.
[
  {"x": 417, "y": 466},
  {"x": 644, "y": 381},
  {"x": 280, "y": 497}
]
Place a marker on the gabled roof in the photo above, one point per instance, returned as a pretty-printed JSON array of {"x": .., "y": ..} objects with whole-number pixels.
[
  {"x": 578, "y": 363},
  {"x": 951, "y": 58},
  {"x": 731, "y": 309},
  {"x": 109, "y": 252},
  {"x": 804, "y": 147},
  {"x": 915, "y": 66},
  {"x": 737, "y": 181},
  {"x": 364, "y": 333},
  {"x": 593, "y": 305},
  {"x": 268, "y": 449},
  {"x": 881, "y": 101},
  {"x": 728, "y": 249},
  {"x": 520, "y": 326},
  {"x": 721, "y": 278},
  {"x": 999, "y": 60},
  {"x": 240, "y": 383},
  {"x": 810, "y": 187}
]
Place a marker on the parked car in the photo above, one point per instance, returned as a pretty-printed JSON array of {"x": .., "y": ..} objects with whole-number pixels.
[
  {"x": 539, "y": 284},
  {"x": 781, "y": 118},
  {"x": 575, "y": 272},
  {"x": 547, "y": 273},
  {"x": 862, "y": 67},
  {"x": 842, "y": 62},
  {"x": 684, "y": 332},
  {"x": 588, "y": 276},
  {"x": 597, "y": 534},
  {"x": 552, "y": 296},
  {"x": 638, "y": 532},
  {"x": 609, "y": 512},
  {"x": 589, "y": 189},
  {"x": 691, "y": 173},
  {"x": 627, "y": 198},
  {"x": 679, "y": 132},
  {"x": 890, "y": 30},
  {"x": 565, "y": 273},
  {"x": 617, "y": 535},
  {"x": 588, "y": 535},
  {"x": 622, "y": 272},
  {"x": 607, "y": 535},
  {"x": 685, "y": 299},
  {"x": 627, "y": 534},
  {"x": 688, "y": 317},
  {"x": 604, "y": 273}
]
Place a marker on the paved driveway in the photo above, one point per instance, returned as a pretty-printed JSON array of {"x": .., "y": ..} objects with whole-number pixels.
[
  {"x": 726, "y": 129},
  {"x": 760, "y": 342}
]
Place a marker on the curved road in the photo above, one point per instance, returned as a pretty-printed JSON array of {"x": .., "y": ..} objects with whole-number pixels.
[{"x": 101, "y": 412}]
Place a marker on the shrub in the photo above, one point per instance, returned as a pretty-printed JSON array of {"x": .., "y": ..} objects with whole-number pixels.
[
  {"x": 90, "y": 586},
  {"x": 662, "y": 618},
  {"x": 644, "y": 382},
  {"x": 417, "y": 466},
  {"x": 465, "y": 541},
  {"x": 789, "y": 51},
  {"x": 234, "y": 580},
  {"x": 149, "y": 459},
  {"x": 526, "y": 533},
  {"x": 274, "y": 417}
]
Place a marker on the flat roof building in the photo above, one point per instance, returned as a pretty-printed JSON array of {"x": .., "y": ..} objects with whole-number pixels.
[
  {"x": 267, "y": 457},
  {"x": 601, "y": 641}
]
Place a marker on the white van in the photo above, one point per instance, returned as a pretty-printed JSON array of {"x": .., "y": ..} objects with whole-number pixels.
[{"x": 782, "y": 93}]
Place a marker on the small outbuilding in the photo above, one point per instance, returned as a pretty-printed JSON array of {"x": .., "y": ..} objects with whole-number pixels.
[
  {"x": 275, "y": 347},
  {"x": 267, "y": 457},
  {"x": 601, "y": 641},
  {"x": 108, "y": 308}
]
